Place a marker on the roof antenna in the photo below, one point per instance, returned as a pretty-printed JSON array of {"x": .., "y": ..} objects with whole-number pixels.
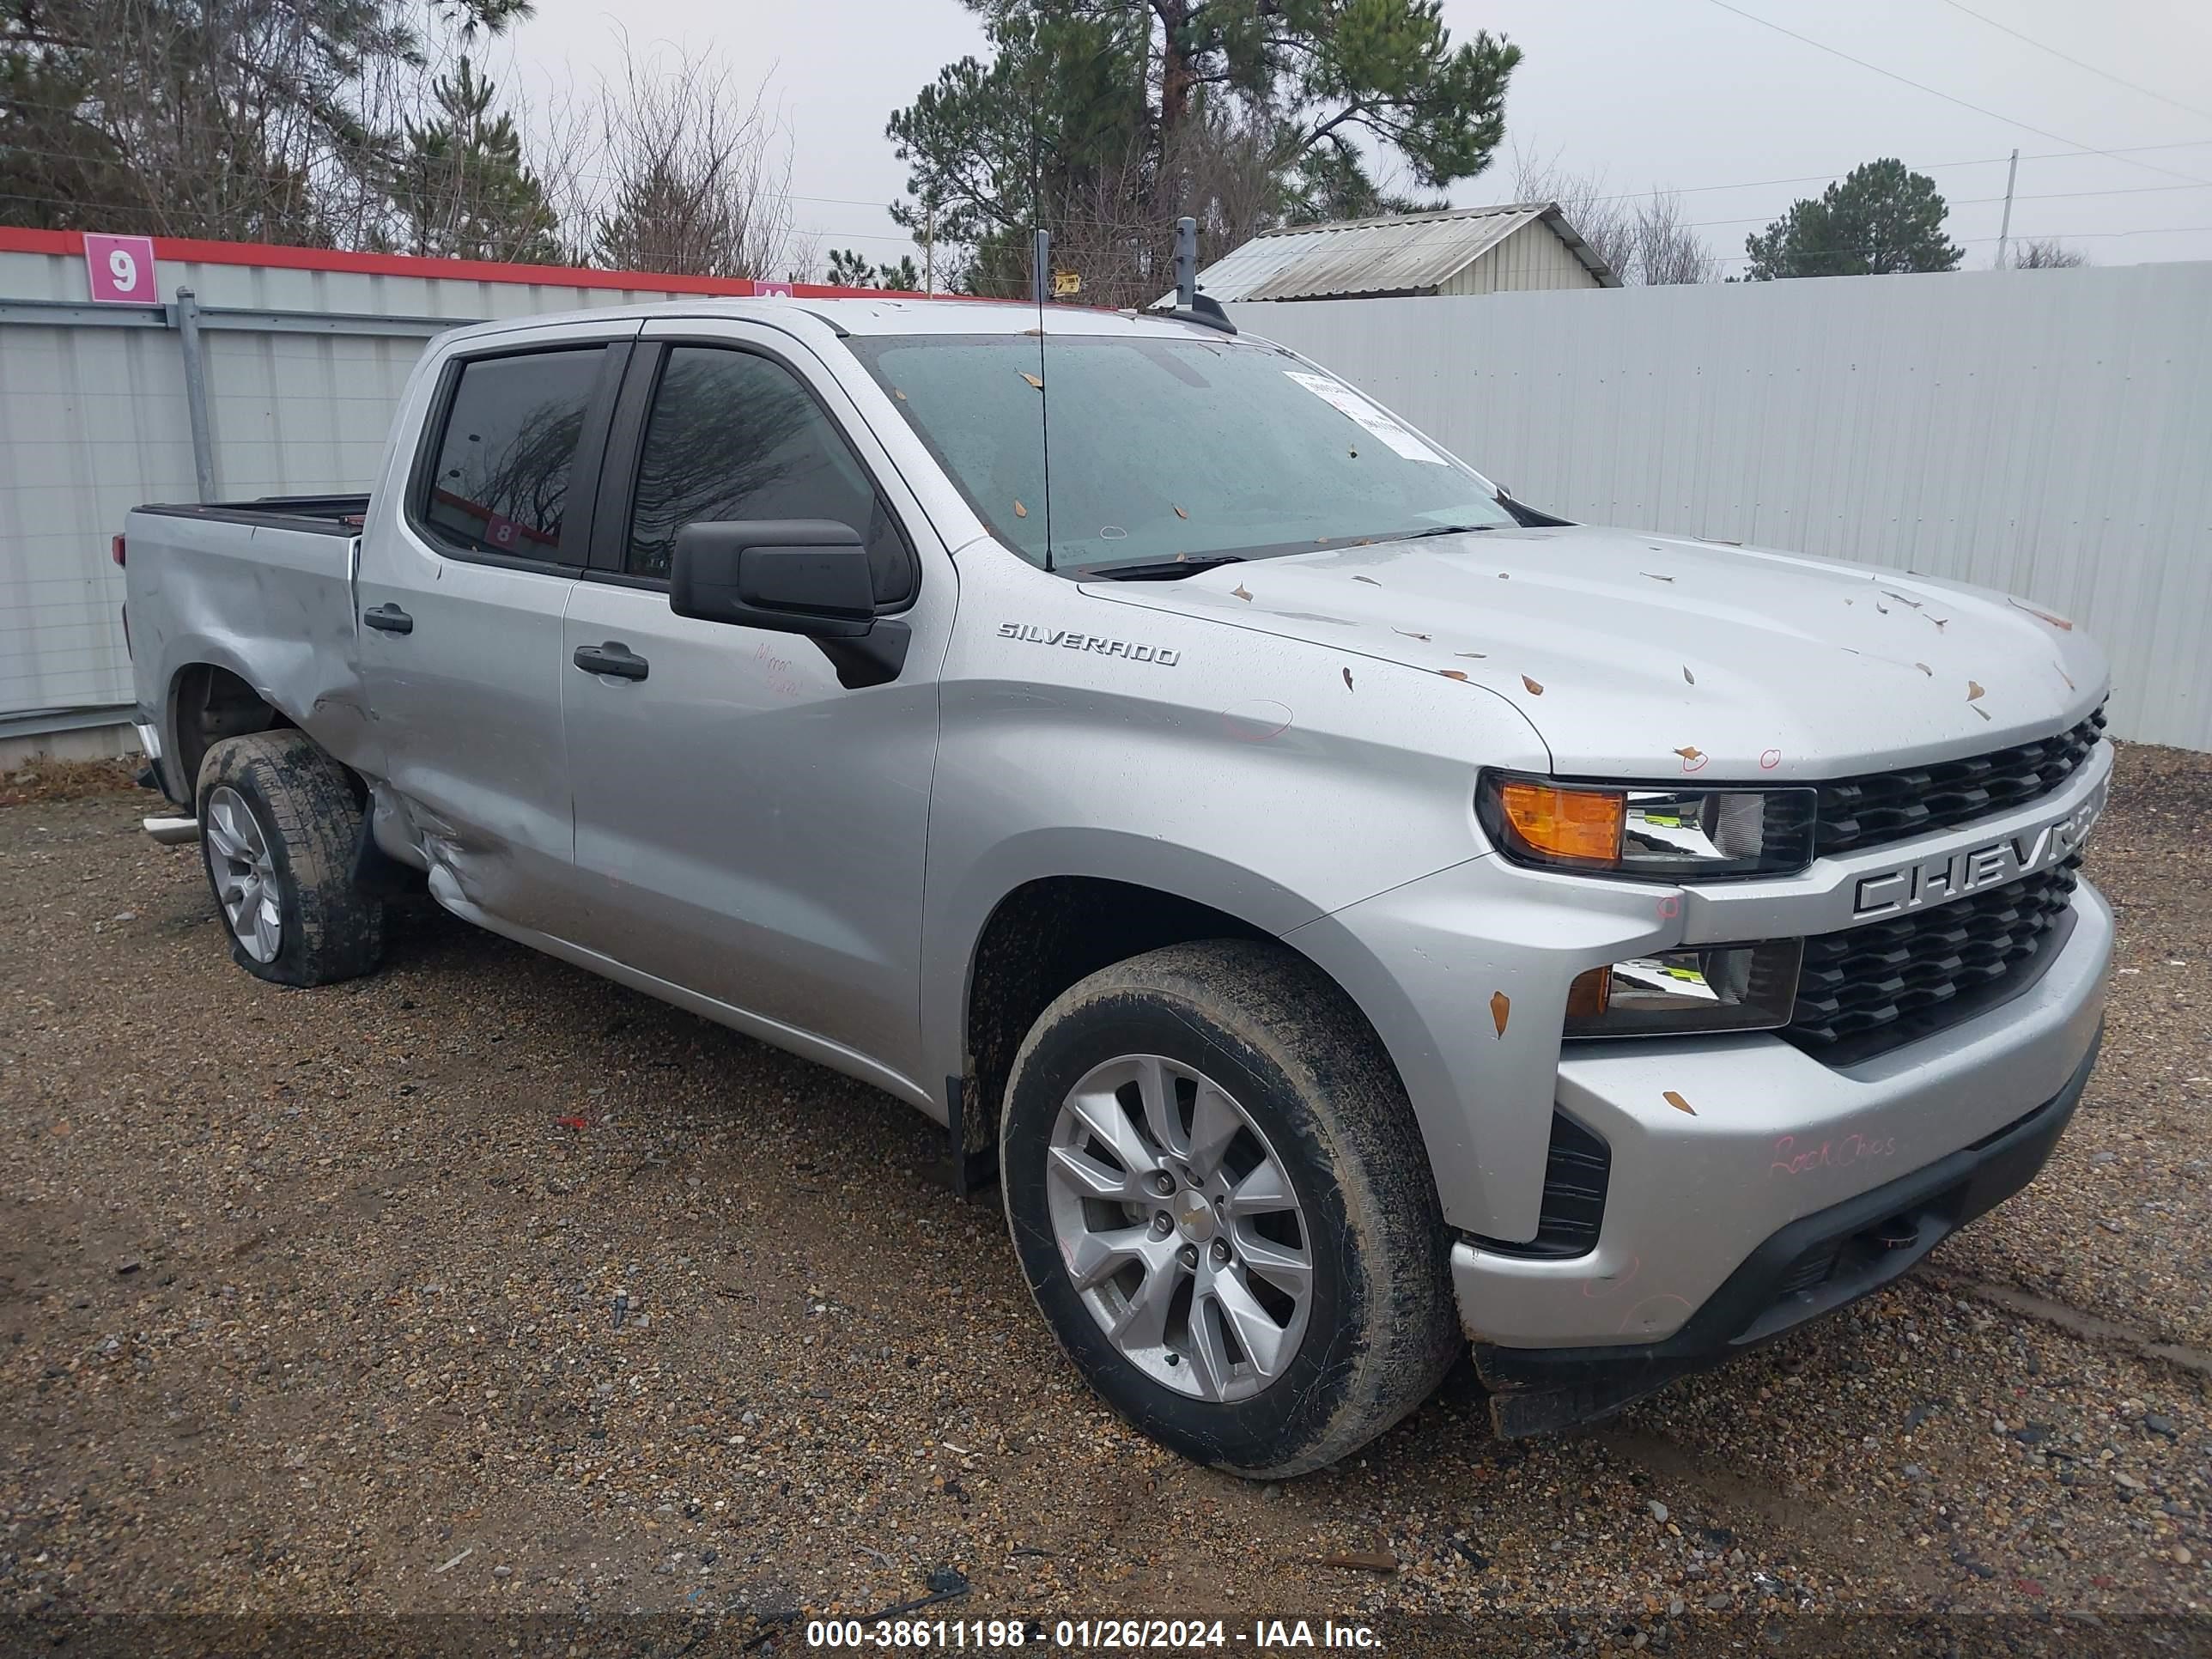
[
  {"x": 1039, "y": 277},
  {"x": 1191, "y": 305}
]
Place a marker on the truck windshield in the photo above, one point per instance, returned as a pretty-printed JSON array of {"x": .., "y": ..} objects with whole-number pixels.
[{"x": 1165, "y": 449}]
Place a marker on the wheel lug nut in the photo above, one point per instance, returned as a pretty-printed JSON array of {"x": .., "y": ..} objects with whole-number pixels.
[
  {"x": 1163, "y": 1184},
  {"x": 1220, "y": 1253},
  {"x": 1187, "y": 1255},
  {"x": 1163, "y": 1225}
]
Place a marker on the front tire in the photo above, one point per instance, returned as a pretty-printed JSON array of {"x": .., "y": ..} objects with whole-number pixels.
[
  {"x": 1222, "y": 1206},
  {"x": 279, "y": 821}
]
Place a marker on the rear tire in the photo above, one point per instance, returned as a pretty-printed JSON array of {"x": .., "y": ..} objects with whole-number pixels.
[
  {"x": 1287, "y": 1298},
  {"x": 279, "y": 821}
]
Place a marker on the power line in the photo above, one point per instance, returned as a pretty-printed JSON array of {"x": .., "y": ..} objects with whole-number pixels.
[
  {"x": 1934, "y": 92},
  {"x": 2068, "y": 57}
]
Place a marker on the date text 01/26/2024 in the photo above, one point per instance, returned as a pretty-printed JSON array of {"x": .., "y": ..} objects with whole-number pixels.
[{"x": 1088, "y": 1635}]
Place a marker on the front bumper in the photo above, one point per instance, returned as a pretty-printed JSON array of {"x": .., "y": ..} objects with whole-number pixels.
[
  {"x": 1811, "y": 1267},
  {"x": 1771, "y": 1137}
]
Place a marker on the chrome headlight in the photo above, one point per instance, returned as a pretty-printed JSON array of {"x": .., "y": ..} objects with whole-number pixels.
[{"x": 1653, "y": 834}]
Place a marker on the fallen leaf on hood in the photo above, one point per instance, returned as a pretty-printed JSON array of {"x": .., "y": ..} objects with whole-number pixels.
[
  {"x": 1925, "y": 669},
  {"x": 1693, "y": 757},
  {"x": 1347, "y": 679},
  {"x": 1500, "y": 1006},
  {"x": 1656, "y": 577},
  {"x": 1369, "y": 580},
  {"x": 2068, "y": 677},
  {"x": 896, "y": 393},
  {"x": 1978, "y": 709},
  {"x": 1973, "y": 690},
  {"x": 1534, "y": 690},
  {"x": 2059, "y": 622},
  {"x": 1900, "y": 598},
  {"x": 1678, "y": 1103},
  {"x": 1882, "y": 608},
  {"x": 1020, "y": 511},
  {"x": 1477, "y": 655},
  {"x": 1409, "y": 633},
  {"x": 1240, "y": 592},
  {"x": 1180, "y": 513},
  {"x": 1687, "y": 675},
  {"x": 1505, "y": 575},
  {"x": 1034, "y": 381},
  {"x": 1452, "y": 673},
  {"x": 1939, "y": 622}
]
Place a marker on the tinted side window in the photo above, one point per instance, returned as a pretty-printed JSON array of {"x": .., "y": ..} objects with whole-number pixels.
[
  {"x": 735, "y": 436},
  {"x": 501, "y": 484}
]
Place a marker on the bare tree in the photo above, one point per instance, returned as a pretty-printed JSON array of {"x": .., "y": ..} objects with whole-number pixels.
[
  {"x": 1667, "y": 250},
  {"x": 1647, "y": 242},
  {"x": 2045, "y": 253},
  {"x": 1605, "y": 221},
  {"x": 695, "y": 174}
]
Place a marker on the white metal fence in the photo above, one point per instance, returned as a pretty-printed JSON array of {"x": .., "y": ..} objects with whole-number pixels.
[
  {"x": 302, "y": 370},
  {"x": 2045, "y": 432}
]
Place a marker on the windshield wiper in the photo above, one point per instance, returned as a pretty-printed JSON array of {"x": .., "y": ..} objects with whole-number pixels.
[
  {"x": 1441, "y": 530},
  {"x": 1160, "y": 570}
]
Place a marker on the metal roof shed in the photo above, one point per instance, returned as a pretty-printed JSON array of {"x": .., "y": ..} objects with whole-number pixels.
[{"x": 1487, "y": 250}]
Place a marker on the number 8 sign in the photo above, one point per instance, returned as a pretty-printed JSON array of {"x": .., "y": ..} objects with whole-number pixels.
[{"x": 121, "y": 270}]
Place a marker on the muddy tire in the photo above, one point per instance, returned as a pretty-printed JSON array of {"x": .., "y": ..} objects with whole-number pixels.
[
  {"x": 1222, "y": 1206},
  {"x": 279, "y": 821}
]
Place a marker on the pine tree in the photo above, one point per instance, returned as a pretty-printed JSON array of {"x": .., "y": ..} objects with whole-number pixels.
[
  {"x": 1878, "y": 219},
  {"x": 463, "y": 189}
]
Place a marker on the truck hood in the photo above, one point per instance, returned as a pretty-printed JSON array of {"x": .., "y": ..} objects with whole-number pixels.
[{"x": 1643, "y": 656}]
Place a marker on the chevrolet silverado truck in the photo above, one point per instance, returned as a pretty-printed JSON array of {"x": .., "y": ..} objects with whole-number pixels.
[{"x": 1355, "y": 915}]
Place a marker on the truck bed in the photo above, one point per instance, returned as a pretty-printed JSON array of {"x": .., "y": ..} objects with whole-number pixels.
[{"x": 262, "y": 589}]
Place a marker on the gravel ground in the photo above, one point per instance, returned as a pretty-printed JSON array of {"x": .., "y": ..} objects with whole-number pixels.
[{"x": 482, "y": 1287}]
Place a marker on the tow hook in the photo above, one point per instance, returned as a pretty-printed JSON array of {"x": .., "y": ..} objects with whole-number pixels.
[{"x": 172, "y": 832}]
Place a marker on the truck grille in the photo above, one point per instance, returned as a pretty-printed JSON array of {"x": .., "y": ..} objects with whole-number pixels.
[
  {"x": 1885, "y": 806},
  {"x": 1872, "y": 987}
]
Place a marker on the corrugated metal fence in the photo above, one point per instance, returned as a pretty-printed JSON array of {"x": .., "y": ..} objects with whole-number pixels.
[
  {"x": 303, "y": 363},
  {"x": 2045, "y": 432}
]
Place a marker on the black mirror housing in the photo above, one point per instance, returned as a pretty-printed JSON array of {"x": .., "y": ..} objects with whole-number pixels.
[
  {"x": 806, "y": 576},
  {"x": 809, "y": 576}
]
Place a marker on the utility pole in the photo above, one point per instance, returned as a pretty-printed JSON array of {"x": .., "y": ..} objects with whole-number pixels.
[
  {"x": 2004, "y": 230},
  {"x": 929, "y": 246},
  {"x": 1041, "y": 268}
]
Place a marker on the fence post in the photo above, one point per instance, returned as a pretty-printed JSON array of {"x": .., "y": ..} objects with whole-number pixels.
[{"x": 196, "y": 402}]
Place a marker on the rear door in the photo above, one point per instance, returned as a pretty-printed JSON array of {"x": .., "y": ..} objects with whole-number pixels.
[
  {"x": 747, "y": 828},
  {"x": 461, "y": 593}
]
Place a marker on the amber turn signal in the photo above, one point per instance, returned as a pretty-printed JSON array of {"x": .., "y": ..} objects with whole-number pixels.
[
  {"x": 1588, "y": 996},
  {"x": 1580, "y": 824}
]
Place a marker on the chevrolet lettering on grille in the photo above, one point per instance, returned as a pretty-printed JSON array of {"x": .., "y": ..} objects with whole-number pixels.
[{"x": 1933, "y": 881}]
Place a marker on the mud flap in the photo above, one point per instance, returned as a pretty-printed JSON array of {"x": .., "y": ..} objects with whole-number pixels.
[{"x": 973, "y": 1167}]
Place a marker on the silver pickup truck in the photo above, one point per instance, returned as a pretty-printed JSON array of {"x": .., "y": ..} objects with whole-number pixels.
[{"x": 1353, "y": 914}]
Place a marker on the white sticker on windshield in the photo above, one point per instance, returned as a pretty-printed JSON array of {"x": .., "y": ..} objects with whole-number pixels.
[{"x": 1372, "y": 420}]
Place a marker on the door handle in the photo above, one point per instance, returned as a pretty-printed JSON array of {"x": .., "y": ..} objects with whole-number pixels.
[
  {"x": 613, "y": 658},
  {"x": 388, "y": 619}
]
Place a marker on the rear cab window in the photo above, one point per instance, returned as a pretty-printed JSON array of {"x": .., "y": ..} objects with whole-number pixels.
[{"x": 502, "y": 460}]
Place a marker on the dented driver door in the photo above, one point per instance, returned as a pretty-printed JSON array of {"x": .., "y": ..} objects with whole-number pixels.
[{"x": 748, "y": 827}]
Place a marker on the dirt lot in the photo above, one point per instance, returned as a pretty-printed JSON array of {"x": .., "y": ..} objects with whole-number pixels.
[{"x": 308, "y": 1307}]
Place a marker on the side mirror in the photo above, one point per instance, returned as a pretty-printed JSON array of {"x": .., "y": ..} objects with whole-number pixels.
[
  {"x": 795, "y": 575},
  {"x": 809, "y": 576}
]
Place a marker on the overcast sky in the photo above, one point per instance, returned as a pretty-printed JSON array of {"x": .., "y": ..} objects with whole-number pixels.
[{"x": 1684, "y": 94}]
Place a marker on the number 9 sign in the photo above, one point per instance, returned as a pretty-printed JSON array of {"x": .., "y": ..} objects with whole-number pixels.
[{"x": 120, "y": 270}]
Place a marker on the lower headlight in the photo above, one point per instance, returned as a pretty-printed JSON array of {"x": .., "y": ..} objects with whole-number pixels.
[{"x": 1714, "y": 987}]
